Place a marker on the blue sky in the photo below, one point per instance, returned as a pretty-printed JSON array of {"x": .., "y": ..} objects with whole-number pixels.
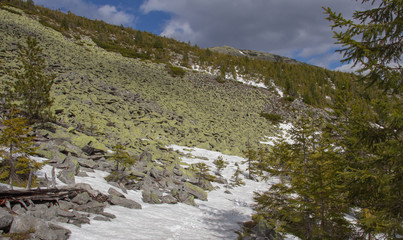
[{"x": 292, "y": 28}]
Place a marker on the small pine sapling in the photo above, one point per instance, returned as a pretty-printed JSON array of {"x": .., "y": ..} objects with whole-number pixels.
[
  {"x": 220, "y": 164},
  {"x": 236, "y": 179},
  {"x": 121, "y": 157}
]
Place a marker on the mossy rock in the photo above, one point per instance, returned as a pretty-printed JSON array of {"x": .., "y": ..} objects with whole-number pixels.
[
  {"x": 195, "y": 191},
  {"x": 83, "y": 140}
]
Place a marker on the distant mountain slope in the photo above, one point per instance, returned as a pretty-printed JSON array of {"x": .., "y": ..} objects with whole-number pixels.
[{"x": 253, "y": 54}]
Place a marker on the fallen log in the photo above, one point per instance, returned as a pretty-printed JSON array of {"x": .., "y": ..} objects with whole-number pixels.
[{"x": 38, "y": 195}]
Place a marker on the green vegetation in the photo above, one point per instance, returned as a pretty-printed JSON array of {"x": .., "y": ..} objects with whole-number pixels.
[
  {"x": 351, "y": 164},
  {"x": 120, "y": 157},
  {"x": 30, "y": 92},
  {"x": 298, "y": 80},
  {"x": 220, "y": 164},
  {"x": 175, "y": 71},
  {"x": 15, "y": 148},
  {"x": 310, "y": 200}
]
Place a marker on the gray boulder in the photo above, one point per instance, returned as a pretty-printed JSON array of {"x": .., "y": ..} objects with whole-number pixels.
[
  {"x": 81, "y": 198},
  {"x": 61, "y": 232},
  {"x": 25, "y": 223},
  {"x": 5, "y": 218},
  {"x": 88, "y": 163},
  {"x": 91, "y": 207},
  {"x": 67, "y": 176},
  {"x": 124, "y": 202},
  {"x": 116, "y": 193}
]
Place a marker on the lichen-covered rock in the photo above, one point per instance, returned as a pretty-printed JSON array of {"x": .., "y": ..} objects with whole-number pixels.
[
  {"x": 195, "y": 191},
  {"x": 88, "y": 163},
  {"x": 67, "y": 176}
]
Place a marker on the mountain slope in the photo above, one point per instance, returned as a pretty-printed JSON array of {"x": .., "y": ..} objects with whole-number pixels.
[
  {"x": 138, "y": 102},
  {"x": 253, "y": 54}
]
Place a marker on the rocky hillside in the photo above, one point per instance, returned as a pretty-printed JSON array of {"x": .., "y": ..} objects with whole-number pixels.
[{"x": 140, "y": 103}]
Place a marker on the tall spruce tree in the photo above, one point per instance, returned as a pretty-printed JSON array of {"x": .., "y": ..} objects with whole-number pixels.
[
  {"x": 31, "y": 89},
  {"x": 371, "y": 136}
]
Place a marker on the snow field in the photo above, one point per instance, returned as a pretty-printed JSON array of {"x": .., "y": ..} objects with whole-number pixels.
[{"x": 217, "y": 218}]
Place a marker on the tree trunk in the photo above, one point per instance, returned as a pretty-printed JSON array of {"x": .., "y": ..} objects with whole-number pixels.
[{"x": 31, "y": 173}]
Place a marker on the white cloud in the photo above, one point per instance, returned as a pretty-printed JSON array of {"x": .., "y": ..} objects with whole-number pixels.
[
  {"x": 293, "y": 28},
  {"x": 349, "y": 67},
  {"x": 112, "y": 15},
  {"x": 107, "y": 13}
]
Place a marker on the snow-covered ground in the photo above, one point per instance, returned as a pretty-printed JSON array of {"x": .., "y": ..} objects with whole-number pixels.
[
  {"x": 285, "y": 128},
  {"x": 217, "y": 218}
]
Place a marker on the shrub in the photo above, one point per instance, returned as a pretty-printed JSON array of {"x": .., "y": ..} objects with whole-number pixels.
[{"x": 175, "y": 71}]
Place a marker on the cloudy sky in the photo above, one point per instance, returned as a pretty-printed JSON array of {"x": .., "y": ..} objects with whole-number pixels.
[{"x": 292, "y": 28}]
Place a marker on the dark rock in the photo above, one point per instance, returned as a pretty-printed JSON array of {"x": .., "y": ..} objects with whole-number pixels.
[
  {"x": 88, "y": 150},
  {"x": 124, "y": 202},
  {"x": 5, "y": 219},
  {"x": 116, "y": 193}
]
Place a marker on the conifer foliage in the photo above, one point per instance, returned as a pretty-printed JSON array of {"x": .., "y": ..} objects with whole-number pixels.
[
  {"x": 309, "y": 201},
  {"x": 15, "y": 148},
  {"x": 30, "y": 92}
]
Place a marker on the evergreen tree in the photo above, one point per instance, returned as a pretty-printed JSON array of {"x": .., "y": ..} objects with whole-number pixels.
[
  {"x": 374, "y": 40},
  {"x": 202, "y": 172},
  {"x": 16, "y": 147},
  {"x": 120, "y": 156},
  {"x": 31, "y": 89},
  {"x": 371, "y": 134},
  {"x": 220, "y": 164},
  {"x": 251, "y": 161},
  {"x": 236, "y": 179},
  {"x": 309, "y": 201}
]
